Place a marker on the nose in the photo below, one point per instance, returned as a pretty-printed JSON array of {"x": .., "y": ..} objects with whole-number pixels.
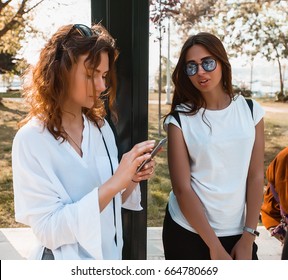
[
  {"x": 200, "y": 69},
  {"x": 100, "y": 84}
]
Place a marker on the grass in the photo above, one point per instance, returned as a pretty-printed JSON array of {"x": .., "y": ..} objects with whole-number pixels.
[
  {"x": 159, "y": 186},
  {"x": 11, "y": 94},
  {"x": 276, "y": 133},
  {"x": 10, "y": 113}
]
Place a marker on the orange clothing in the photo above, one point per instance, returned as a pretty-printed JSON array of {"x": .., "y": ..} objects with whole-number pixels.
[{"x": 277, "y": 175}]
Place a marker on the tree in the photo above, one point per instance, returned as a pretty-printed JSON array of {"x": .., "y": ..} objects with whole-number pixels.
[
  {"x": 259, "y": 28},
  {"x": 159, "y": 11},
  {"x": 14, "y": 25},
  {"x": 6, "y": 63},
  {"x": 191, "y": 13},
  {"x": 250, "y": 28},
  {"x": 164, "y": 63}
]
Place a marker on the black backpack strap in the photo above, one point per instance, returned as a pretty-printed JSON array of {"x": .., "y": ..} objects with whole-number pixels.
[
  {"x": 175, "y": 114},
  {"x": 250, "y": 104}
]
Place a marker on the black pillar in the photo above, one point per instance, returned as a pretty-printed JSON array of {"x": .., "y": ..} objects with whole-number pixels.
[{"x": 128, "y": 22}]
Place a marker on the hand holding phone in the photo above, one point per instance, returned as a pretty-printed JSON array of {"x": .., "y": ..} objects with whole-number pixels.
[{"x": 153, "y": 153}]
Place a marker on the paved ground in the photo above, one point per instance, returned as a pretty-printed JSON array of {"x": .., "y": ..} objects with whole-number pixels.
[{"x": 15, "y": 244}]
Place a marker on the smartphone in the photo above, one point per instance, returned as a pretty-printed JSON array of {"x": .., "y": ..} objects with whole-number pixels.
[{"x": 155, "y": 150}]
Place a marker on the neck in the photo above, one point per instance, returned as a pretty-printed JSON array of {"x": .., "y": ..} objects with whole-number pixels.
[
  {"x": 73, "y": 126},
  {"x": 217, "y": 102},
  {"x": 72, "y": 120}
]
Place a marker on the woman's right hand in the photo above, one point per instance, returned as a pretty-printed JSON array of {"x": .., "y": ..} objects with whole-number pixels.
[
  {"x": 124, "y": 173},
  {"x": 132, "y": 159},
  {"x": 219, "y": 254}
]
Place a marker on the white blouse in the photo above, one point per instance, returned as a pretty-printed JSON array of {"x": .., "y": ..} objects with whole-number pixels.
[{"x": 56, "y": 192}]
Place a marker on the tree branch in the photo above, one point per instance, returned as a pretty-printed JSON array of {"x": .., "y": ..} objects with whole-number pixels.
[
  {"x": 3, "y": 5},
  {"x": 17, "y": 19}
]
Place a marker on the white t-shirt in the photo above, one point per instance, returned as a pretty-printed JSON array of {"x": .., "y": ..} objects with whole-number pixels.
[
  {"x": 219, "y": 158},
  {"x": 56, "y": 192}
]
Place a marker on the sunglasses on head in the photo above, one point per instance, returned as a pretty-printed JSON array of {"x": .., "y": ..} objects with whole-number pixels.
[
  {"x": 82, "y": 29},
  {"x": 208, "y": 64}
]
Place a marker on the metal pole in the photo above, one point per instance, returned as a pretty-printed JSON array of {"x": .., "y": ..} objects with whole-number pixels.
[
  {"x": 128, "y": 23},
  {"x": 168, "y": 86},
  {"x": 251, "y": 75},
  {"x": 160, "y": 72}
]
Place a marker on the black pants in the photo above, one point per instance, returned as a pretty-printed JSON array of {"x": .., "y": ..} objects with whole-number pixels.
[
  {"x": 182, "y": 244},
  {"x": 284, "y": 255}
]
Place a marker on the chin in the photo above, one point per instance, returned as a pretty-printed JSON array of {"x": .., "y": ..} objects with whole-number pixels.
[{"x": 88, "y": 105}]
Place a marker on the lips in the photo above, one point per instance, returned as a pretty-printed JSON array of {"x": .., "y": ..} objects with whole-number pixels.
[{"x": 203, "y": 82}]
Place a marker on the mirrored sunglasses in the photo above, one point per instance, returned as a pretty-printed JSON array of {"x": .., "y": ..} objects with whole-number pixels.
[{"x": 208, "y": 64}]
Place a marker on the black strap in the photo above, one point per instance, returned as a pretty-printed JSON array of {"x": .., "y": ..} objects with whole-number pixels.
[
  {"x": 175, "y": 114},
  {"x": 112, "y": 172},
  {"x": 250, "y": 104}
]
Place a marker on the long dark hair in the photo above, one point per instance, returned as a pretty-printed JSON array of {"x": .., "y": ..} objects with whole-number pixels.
[
  {"x": 185, "y": 91},
  {"x": 48, "y": 85}
]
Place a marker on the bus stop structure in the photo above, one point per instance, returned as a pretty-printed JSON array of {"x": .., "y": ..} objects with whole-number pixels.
[{"x": 128, "y": 22}]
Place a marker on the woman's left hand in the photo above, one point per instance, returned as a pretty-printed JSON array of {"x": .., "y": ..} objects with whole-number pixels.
[{"x": 146, "y": 172}]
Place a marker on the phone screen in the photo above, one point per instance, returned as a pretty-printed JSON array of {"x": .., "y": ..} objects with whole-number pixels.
[{"x": 155, "y": 150}]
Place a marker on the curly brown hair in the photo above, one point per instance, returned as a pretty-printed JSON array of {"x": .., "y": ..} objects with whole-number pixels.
[{"x": 46, "y": 84}]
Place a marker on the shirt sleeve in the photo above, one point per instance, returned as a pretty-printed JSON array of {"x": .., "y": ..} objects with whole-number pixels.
[
  {"x": 270, "y": 211},
  {"x": 258, "y": 112},
  {"x": 170, "y": 119},
  {"x": 133, "y": 201}
]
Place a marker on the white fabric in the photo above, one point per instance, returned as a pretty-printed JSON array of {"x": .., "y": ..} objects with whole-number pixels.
[
  {"x": 56, "y": 192},
  {"x": 219, "y": 160}
]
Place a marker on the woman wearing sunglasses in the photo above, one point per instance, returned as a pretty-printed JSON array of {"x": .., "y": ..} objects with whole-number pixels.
[
  {"x": 215, "y": 157},
  {"x": 68, "y": 184}
]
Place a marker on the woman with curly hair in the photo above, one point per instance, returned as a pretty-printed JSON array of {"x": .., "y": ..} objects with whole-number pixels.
[{"x": 68, "y": 183}]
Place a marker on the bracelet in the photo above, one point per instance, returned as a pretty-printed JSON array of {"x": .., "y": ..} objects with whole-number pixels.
[
  {"x": 135, "y": 181},
  {"x": 251, "y": 231}
]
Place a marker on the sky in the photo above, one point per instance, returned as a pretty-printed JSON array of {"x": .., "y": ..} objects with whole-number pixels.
[{"x": 50, "y": 16}]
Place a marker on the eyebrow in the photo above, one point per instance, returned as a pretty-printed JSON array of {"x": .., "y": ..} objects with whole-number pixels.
[
  {"x": 209, "y": 56},
  {"x": 96, "y": 70}
]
